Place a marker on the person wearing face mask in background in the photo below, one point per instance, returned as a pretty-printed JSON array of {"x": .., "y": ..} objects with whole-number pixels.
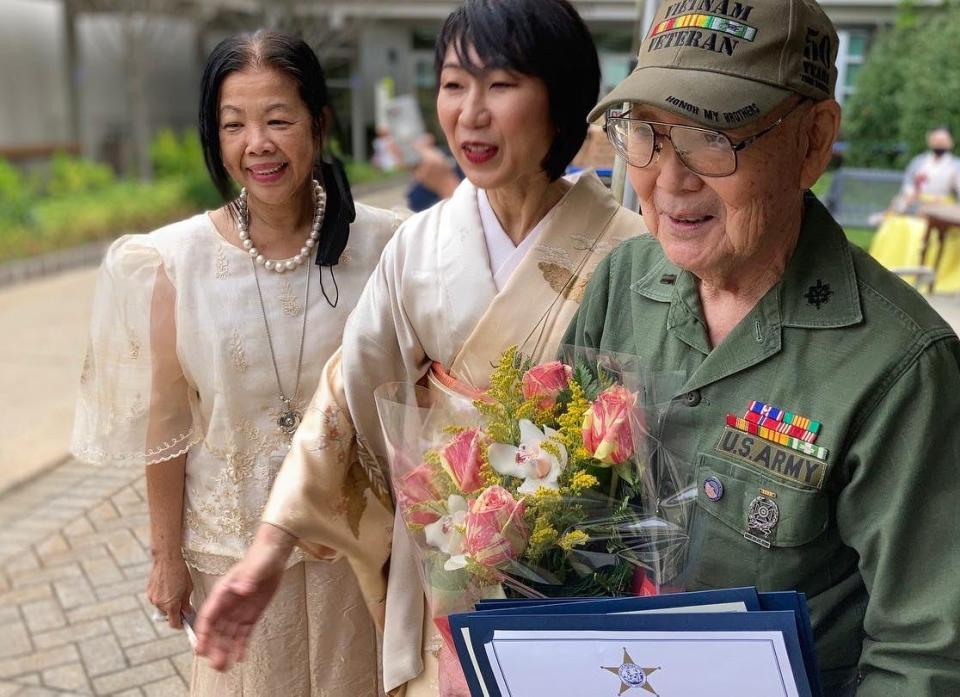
[
  {"x": 903, "y": 239},
  {"x": 932, "y": 176}
]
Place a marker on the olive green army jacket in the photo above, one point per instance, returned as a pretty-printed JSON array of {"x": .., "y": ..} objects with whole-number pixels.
[{"x": 865, "y": 520}]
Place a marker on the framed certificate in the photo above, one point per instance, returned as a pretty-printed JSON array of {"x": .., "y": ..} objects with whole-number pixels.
[{"x": 722, "y": 654}]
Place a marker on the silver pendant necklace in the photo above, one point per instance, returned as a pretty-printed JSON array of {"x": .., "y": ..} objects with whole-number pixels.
[{"x": 289, "y": 418}]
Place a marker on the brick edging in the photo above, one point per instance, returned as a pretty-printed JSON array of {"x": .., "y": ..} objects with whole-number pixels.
[{"x": 19, "y": 270}]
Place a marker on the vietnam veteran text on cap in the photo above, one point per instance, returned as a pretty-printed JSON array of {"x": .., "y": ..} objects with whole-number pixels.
[{"x": 725, "y": 64}]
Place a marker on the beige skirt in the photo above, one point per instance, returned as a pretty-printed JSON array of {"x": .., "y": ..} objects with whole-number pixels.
[{"x": 315, "y": 639}]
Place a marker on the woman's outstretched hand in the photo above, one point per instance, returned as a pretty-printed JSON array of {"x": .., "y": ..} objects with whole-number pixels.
[{"x": 237, "y": 601}]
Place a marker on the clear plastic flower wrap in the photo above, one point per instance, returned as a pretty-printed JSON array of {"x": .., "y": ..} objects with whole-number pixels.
[{"x": 551, "y": 484}]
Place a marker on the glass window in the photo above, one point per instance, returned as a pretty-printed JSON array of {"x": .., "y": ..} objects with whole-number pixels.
[
  {"x": 853, "y": 71},
  {"x": 854, "y": 44},
  {"x": 614, "y": 67},
  {"x": 858, "y": 45}
]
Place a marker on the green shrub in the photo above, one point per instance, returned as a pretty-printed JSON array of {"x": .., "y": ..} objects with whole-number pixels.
[
  {"x": 74, "y": 175},
  {"x": 183, "y": 158},
  {"x": 907, "y": 86},
  {"x": 127, "y": 206},
  {"x": 174, "y": 156},
  {"x": 14, "y": 196}
]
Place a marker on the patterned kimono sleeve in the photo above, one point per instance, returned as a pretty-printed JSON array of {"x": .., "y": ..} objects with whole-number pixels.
[
  {"x": 135, "y": 406},
  {"x": 324, "y": 499}
]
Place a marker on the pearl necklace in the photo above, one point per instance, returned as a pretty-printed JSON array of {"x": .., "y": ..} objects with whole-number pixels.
[{"x": 282, "y": 265}]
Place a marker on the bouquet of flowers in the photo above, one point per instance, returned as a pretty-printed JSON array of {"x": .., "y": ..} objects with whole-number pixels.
[{"x": 542, "y": 487}]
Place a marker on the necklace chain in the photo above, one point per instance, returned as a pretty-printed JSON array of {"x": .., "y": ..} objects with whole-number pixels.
[{"x": 289, "y": 417}]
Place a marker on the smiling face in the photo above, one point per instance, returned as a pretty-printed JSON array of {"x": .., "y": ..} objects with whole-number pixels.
[
  {"x": 722, "y": 226},
  {"x": 496, "y": 121},
  {"x": 267, "y": 137}
]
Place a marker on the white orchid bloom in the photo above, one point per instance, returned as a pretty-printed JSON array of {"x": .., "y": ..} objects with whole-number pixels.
[
  {"x": 446, "y": 534},
  {"x": 530, "y": 462}
]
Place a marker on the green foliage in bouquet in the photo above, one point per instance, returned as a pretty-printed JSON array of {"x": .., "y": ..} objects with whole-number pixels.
[{"x": 506, "y": 405}]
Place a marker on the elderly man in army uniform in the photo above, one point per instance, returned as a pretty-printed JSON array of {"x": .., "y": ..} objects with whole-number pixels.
[{"x": 821, "y": 410}]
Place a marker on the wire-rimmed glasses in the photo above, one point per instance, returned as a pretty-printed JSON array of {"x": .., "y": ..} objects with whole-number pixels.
[{"x": 704, "y": 151}]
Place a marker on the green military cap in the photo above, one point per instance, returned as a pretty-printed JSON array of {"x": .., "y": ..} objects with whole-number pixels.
[{"x": 724, "y": 64}]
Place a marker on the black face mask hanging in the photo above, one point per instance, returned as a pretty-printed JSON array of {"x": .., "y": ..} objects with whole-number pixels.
[
  {"x": 939, "y": 152},
  {"x": 335, "y": 231}
]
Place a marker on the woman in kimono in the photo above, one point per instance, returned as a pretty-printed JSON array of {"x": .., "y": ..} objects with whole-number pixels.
[
  {"x": 503, "y": 262},
  {"x": 205, "y": 334}
]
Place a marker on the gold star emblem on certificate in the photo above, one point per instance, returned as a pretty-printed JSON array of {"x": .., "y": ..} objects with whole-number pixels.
[{"x": 631, "y": 675}]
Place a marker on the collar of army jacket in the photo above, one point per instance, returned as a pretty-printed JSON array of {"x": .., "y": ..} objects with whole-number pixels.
[{"x": 818, "y": 289}]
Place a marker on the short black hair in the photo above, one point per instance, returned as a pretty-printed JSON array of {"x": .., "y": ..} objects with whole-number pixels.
[
  {"x": 543, "y": 38},
  {"x": 278, "y": 50}
]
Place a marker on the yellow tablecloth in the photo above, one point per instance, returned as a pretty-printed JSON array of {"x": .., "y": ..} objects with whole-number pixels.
[{"x": 899, "y": 242}]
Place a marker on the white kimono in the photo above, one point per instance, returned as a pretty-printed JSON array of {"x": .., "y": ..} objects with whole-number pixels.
[{"x": 431, "y": 300}]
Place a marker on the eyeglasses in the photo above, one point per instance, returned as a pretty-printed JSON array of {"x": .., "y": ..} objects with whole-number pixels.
[{"x": 703, "y": 151}]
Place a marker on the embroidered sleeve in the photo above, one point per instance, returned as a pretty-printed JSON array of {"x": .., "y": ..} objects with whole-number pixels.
[{"x": 135, "y": 406}]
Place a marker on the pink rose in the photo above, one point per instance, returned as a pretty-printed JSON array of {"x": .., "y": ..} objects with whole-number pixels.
[
  {"x": 546, "y": 382},
  {"x": 462, "y": 460},
  {"x": 606, "y": 426},
  {"x": 415, "y": 488},
  {"x": 495, "y": 528},
  {"x": 642, "y": 584}
]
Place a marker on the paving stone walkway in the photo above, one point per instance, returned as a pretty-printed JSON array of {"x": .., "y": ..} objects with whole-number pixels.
[{"x": 74, "y": 619}]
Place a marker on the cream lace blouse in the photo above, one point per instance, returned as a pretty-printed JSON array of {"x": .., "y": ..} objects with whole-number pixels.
[{"x": 178, "y": 361}]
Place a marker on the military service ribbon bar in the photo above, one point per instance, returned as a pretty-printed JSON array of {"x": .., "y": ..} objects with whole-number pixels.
[
  {"x": 780, "y": 427},
  {"x": 755, "y": 429},
  {"x": 705, "y": 21},
  {"x": 803, "y": 428}
]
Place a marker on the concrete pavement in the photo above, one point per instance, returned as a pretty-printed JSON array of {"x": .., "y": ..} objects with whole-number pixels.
[{"x": 44, "y": 326}]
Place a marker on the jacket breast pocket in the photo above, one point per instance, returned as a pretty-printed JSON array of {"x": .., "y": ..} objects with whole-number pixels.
[{"x": 752, "y": 529}]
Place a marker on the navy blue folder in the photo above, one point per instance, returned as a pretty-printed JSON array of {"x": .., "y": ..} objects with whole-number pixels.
[{"x": 785, "y": 612}]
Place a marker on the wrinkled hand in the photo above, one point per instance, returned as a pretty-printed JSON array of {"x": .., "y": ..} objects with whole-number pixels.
[
  {"x": 169, "y": 587},
  {"x": 453, "y": 683},
  {"x": 238, "y": 599}
]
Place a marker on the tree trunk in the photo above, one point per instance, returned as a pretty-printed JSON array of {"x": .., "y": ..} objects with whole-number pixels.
[{"x": 134, "y": 36}]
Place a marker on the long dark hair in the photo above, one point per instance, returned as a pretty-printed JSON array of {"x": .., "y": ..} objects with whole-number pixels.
[
  {"x": 543, "y": 38},
  {"x": 293, "y": 57}
]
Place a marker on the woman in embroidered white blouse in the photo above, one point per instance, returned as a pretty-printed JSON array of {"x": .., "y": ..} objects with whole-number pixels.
[{"x": 207, "y": 335}]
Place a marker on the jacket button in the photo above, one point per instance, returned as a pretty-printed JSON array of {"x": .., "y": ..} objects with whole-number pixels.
[{"x": 692, "y": 399}]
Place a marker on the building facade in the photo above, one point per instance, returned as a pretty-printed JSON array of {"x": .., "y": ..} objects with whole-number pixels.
[{"x": 66, "y": 76}]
